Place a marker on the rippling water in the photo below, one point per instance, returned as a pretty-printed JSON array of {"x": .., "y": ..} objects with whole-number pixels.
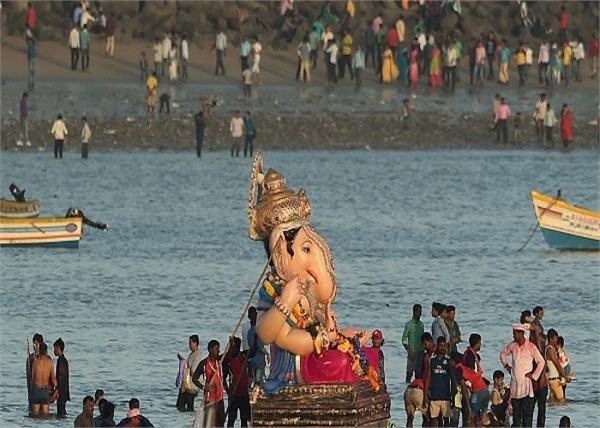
[{"x": 404, "y": 228}]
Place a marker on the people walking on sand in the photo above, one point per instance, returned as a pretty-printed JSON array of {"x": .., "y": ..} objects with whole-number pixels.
[
  {"x": 151, "y": 97},
  {"x": 539, "y": 115},
  {"x": 43, "y": 378},
  {"x": 543, "y": 63},
  {"x": 165, "y": 50},
  {"x": 389, "y": 70},
  {"x": 304, "y": 58},
  {"x": 173, "y": 63},
  {"x": 523, "y": 354},
  {"x": 30, "y": 16},
  {"x": 31, "y": 56},
  {"x": 567, "y": 58},
  {"x": 236, "y": 375},
  {"x": 86, "y": 136},
  {"x": 479, "y": 63},
  {"x": 555, "y": 65},
  {"x": 503, "y": 76},
  {"x": 405, "y": 113},
  {"x": 188, "y": 390},
  {"x": 62, "y": 378},
  {"x": 185, "y": 57},
  {"x": 403, "y": 63},
  {"x": 450, "y": 65},
  {"x": 578, "y": 57},
  {"x": 346, "y": 57},
  {"x": 236, "y": 128},
  {"x": 550, "y": 122},
  {"x": 84, "y": 43},
  {"x": 23, "y": 121},
  {"x": 199, "y": 123},
  {"x": 501, "y": 121},
  {"x": 157, "y": 55},
  {"x": 517, "y": 124},
  {"x": 249, "y": 133},
  {"x": 59, "y": 131},
  {"x": 521, "y": 57},
  {"x": 111, "y": 27},
  {"x": 256, "y": 55},
  {"x": 331, "y": 53},
  {"x": 563, "y": 25},
  {"x": 143, "y": 67},
  {"x": 566, "y": 126},
  {"x": 247, "y": 80},
  {"x": 358, "y": 65},
  {"x": 490, "y": 51},
  {"x": 435, "y": 67},
  {"x": 245, "y": 48},
  {"x": 314, "y": 40},
  {"x": 411, "y": 340},
  {"x": 220, "y": 46},
  {"x": 74, "y": 45},
  {"x": 86, "y": 418}
]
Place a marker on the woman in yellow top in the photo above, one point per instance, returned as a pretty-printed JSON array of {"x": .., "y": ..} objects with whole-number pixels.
[
  {"x": 567, "y": 56},
  {"x": 435, "y": 67},
  {"x": 389, "y": 71}
]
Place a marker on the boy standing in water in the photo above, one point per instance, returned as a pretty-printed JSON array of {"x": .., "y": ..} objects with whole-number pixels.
[
  {"x": 62, "y": 378},
  {"x": 42, "y": 376}
]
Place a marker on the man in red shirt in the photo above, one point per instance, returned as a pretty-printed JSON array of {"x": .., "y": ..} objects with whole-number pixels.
[
  {"x": 563, "y": 25},
  {"x": 211, "y": 368},
  {"x": 30, "y": 17},
  {"x": 392, "y": 40},
  {"x": 235, "y": 369}
]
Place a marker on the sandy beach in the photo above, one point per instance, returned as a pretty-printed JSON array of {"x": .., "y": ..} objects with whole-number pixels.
[{"x": 289, "y": 115}]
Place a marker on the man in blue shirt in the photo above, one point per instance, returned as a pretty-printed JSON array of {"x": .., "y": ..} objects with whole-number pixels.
[
  {"x": 440, "y": 386},
  {"x": 84, "y": 45}
]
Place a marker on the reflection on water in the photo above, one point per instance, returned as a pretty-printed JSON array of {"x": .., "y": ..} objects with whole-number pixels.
[{"x": 404, "y": 228}]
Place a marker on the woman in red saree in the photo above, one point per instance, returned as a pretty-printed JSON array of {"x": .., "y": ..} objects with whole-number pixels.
[{"x": 566, "y": 125}]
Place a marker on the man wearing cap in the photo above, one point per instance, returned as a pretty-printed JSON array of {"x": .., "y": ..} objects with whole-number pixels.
[
  {"x": 411, "y": 340},
  {"x": 377, "y": 339},
  {"x": 523, "y": 353}
]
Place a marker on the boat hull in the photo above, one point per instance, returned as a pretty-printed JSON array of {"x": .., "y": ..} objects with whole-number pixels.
[
  {"x": 566, "y": 226},
  {"x": 41, "y": 232}
]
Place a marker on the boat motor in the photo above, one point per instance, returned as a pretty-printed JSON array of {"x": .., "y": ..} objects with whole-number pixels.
[
  {"x": 17, "y": 193},
  {"x": 76, "y": 212}
]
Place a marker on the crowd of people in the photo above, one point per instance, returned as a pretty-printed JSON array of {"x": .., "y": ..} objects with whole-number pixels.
[
  {"x": 448, "y": 385},
  {"x": 543, "y": 117},
  {"x": 47, "y": 384}
]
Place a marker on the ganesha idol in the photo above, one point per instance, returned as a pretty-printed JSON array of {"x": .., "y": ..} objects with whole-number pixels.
[{"x": 295, "y": 301}]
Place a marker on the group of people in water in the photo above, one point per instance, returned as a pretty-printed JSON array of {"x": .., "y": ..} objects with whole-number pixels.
[{"x": 448, "y": 384}]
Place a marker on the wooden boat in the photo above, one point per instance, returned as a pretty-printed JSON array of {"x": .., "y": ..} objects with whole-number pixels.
[
  {"x": 18, "y": 209},
  {"x": 566, "y": 226},
  {"x": 45, "y": 232}
]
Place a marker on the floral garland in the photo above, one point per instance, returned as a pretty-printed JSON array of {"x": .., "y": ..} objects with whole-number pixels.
[{"x": 272, "y": 286}]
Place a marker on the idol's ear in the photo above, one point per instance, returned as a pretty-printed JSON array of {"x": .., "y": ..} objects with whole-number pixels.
[{"x": 281, "y": 257}]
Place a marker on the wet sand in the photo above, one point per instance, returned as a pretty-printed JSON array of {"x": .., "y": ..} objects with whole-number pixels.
[{"x": 289, "y": 115}]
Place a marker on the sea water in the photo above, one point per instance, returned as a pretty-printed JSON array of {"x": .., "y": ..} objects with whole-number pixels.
[{"x": 404, "y": 227}]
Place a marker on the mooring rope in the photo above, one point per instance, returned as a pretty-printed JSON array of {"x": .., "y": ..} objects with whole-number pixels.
[{"x": 537, "y": 220}]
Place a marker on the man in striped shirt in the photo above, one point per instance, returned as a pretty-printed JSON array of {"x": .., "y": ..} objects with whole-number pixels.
[{"x": 411, "y": 339}]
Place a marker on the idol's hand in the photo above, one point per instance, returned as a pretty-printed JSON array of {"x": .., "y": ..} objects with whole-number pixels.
[{"x": 292, "y": 292}]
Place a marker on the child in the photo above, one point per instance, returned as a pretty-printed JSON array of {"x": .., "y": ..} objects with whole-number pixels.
[
  {"x": 405, "y": 115},
  {"x": 86, "y": 135},
  {"x": 517, "y": 128},
  {"x": 500, "y": 399},
  {"x": 564, "y": 359},
  {"x": 247, "y": 83},
  {"x": 358, "y": 64},
  {"x": 414, "y": 73},
  {"x": 143, "y": 67},
  {"x": 377, "y": 339}
]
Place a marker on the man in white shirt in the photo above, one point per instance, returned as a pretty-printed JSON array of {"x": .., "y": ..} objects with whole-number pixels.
[
  {"x": 539, "y": 114},
  {"x": 236, "y": 127},
  {"x": 401, "y": 29},
  {"x": 220, "y": 46},
  {"x": 331, "y": 54},
  {"x": 543, "y": 61},
  {"x": 165, "y": 51},
  {"x": 256, "y": 50},
  {"x": 59, "y": 131},
  {"x": 86, "y": 18},
  {"x": 185, "y": 57},
  {"x": 578, "y": 56},
  {"x": 74, "y": 46}
]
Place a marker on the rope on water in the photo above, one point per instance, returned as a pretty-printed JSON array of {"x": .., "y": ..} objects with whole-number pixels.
[{"x": 537, "y": 220}]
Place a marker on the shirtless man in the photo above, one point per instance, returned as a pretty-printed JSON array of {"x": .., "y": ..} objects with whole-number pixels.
[
  {"x": 38, "y": 339},
  {"x": 42, "y": 375}
]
